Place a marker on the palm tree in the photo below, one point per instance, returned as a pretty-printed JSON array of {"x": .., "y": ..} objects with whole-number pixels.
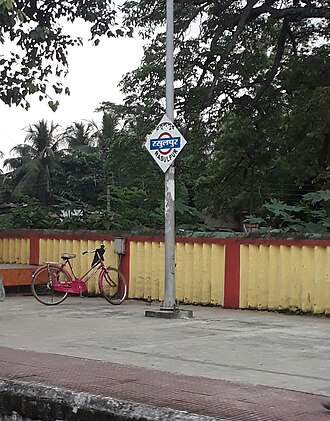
[
  {"x": 80, "y": 136},
  {"x": 1, "y": 156},
  {"x": 30, "y": 170},
  {"x": 104, "y": 136}
]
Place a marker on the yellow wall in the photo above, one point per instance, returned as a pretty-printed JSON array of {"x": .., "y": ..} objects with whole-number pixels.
[
  {"x": 199, "y": 275},
  {"x": 15, "y": 250},
  {"x": 51, "y": 250},
  {"x": 272, "y": 276},
  {"x": 289, "y": 277}
]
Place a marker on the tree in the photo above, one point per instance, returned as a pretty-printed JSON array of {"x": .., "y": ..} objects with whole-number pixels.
[
  {"x": 228, "y": 51},
  {"x": 32, "y": 32},
  {"x": 80, "y": 136},
  {"x": 78, "y": 180},
  {"x": 31, "y": 169},
  {"x": 306, "y": 124},
  {"x": 104, "y": 137},
  {"x": 126, "y": 157},
  {"x": 256, "y": 126}
]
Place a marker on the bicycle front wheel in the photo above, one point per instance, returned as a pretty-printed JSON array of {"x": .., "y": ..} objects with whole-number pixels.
[
  {"x": 43, "y": 281},
  {"x": 113, "y": 285}
]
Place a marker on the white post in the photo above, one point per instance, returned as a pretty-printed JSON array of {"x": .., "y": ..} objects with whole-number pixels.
[
  {"x": 169, "y": 308},
  {"x": 169, "y": 298}
]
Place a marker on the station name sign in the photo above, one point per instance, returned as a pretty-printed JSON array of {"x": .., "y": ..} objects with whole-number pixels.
[{"x": 165, "y": 143}]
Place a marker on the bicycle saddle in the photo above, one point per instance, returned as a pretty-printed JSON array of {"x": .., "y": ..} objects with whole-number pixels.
[{"x": 67, "y": 256}]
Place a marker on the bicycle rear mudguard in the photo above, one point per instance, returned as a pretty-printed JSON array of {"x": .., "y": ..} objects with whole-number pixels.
[{"x": 72, "y": 287}]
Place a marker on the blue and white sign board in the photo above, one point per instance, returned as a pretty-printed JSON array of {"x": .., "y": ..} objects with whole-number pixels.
[{"x": 165, "y": 143}]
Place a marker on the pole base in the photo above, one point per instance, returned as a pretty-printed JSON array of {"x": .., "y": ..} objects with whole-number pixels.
[{"x": 175, "y": 313}]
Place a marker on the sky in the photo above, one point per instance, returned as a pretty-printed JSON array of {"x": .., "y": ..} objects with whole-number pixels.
[{"x": 94, "y": 74}]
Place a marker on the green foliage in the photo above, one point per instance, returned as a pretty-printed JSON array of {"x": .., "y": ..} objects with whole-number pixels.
[
  {"x": 224, "y": 53},
  {"x": 39, "y": 45},
  {"x": 31, "y": 169},
  {"x": 317, "y": 197},
  {"x": 134, "y": 209},
  {"x": 80, "y": 136},
  {"x": 131, "y": 210},
  {"x": 29, "y": 214},
  {"x": 6, "y": 221},
  {"x": 78, "y": 177},
  {"x": 103, "y": 220},
  {"x": 310, "y": 215},
  {"x": 252, "y": 98}
]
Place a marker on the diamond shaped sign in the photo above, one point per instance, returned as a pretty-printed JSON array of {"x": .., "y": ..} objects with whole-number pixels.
[{"x": 165, "y": 143}]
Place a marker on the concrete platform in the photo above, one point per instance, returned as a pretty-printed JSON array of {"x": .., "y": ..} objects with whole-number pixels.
[{"x": 220, "y": 365}]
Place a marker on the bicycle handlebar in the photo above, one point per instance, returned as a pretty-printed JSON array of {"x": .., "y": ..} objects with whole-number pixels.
[{"x": 102, "y": 247}]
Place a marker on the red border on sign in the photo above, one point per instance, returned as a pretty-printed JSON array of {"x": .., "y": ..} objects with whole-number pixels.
[{"x": 170, "y": 150}]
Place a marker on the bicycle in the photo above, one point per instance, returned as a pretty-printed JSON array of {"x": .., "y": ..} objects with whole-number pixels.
[{"x": 53, "y": 282}]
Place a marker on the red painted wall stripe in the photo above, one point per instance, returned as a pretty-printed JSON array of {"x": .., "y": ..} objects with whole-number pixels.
[
  {"x": 34, "y": 248},
  {"x": 232, "y": 274}
]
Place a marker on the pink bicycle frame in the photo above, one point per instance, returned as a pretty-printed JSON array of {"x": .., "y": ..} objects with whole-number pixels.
[{"x": 77, "y": 286}]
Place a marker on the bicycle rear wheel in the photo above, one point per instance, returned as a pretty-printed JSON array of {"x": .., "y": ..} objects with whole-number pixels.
[
  {"x": 113, "y": 285},
  {"x": 42, "y": 284}
]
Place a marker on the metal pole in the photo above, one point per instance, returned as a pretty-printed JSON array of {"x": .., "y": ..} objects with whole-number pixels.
[{"x": 169, "y": 297}]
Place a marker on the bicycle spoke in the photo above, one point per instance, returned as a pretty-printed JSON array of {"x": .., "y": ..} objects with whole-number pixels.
[
  {"x": 113, "y": 286},
  {"x": 43, "y": 282}
]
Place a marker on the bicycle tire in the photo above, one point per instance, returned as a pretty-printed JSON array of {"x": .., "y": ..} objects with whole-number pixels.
[
  {"x": 113, "y": 285},
  {"x": 42, "y": 281}
]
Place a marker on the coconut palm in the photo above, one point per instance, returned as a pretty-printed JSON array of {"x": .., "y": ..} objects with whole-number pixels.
[
  {"x": 1, "y": 157},
  {"x": 104, "y": 136},
  {"x": 81, "y": 136},
  {"x": 30, "y": 170},
  {"x": 108, "y": 128}
]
